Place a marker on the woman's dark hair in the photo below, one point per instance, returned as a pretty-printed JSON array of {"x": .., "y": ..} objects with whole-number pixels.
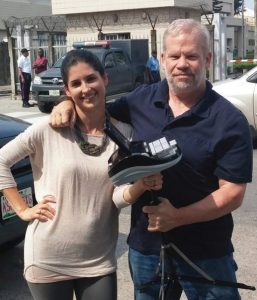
[{"x": 73, "y": 57}]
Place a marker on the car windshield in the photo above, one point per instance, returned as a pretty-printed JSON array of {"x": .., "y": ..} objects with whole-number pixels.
[
  {"x": 97, "y": 51},
  {"x": 58, "y": 64}
]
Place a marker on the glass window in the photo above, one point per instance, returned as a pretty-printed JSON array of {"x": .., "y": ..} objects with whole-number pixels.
[{"x": 120, "y": 58}]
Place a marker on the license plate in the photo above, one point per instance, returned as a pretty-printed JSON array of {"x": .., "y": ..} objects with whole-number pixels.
[
  {"x": 7, "y": 211},
  {"x": 54, "y": 93}
]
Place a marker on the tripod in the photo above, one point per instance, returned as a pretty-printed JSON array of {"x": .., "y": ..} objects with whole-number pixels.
[{"x": 171, "y": 279}]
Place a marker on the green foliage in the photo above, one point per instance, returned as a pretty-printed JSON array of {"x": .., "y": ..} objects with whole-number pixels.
[
  {"x": 237, "y": 7},
  {"x": 216, "y": 5},
  {"x": 250, "y": 54},
  {"x": 240, "y": 66}
]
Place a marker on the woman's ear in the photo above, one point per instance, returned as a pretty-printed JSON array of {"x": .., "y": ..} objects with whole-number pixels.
[{"x": 67, "y": 91}]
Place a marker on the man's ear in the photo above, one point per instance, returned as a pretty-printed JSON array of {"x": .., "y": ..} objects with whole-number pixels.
[
  {"x": 208, "y": 59},
  {"x": 163, "y": 60}
]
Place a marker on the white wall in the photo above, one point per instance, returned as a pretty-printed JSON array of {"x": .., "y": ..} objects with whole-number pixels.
[{"x": 80, "y": 6}]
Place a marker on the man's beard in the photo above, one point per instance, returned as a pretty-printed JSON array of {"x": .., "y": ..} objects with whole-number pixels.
[{"x": 187, "y": 86}]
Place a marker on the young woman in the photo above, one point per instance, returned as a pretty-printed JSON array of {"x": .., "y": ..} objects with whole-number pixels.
[{"x": 71, "y": 238}]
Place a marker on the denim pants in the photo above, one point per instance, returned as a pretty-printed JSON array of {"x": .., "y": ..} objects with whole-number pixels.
[{"x": 143, "y": 269}]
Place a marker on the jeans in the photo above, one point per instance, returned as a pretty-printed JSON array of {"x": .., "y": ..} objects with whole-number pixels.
[
  {"x": 143, "y": 268},
  {"x": 222, "y": 268}
]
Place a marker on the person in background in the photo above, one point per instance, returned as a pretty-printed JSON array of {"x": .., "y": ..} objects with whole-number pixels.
[
  {"x": 153, "y": 68},
  {"x": 41, "y": 62},
  {"x": 72, "y": 235},
  {"x": 205, "y": 187},
  {"x": 24, "y": 73}
]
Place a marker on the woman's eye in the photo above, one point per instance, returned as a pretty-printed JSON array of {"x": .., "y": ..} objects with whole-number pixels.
[
  {"x": 91, "y": 79},
  {"x": 75, "y": 83}
]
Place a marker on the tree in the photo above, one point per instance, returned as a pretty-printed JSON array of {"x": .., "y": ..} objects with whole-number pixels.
[
  {"x": 238, "y": 6},
  {"x": 216, "y": 5}
]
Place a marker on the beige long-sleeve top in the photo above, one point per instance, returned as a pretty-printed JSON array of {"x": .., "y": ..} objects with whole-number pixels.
[{"x": 80, "y": 241}]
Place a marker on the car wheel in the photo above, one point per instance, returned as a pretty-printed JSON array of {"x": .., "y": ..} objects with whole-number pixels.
[{"x": 45, "y": 107}]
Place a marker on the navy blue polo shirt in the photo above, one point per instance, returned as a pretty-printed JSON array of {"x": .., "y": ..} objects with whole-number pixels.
[{"x": 215, "y": 141}]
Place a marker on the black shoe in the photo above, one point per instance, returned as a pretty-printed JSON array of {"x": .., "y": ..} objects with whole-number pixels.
[{"x": 26, "y": 104}]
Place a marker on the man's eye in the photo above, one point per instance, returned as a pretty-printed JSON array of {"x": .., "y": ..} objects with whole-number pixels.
[{"x": 192, "y": 57}]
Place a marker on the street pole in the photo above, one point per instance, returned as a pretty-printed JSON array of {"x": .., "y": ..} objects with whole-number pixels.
[
  {"x": 243, "y": 28},
  {"x": 255, "y": 23}
]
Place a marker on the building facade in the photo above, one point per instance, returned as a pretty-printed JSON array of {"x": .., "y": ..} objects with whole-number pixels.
[{"x": 91, "y": 20}]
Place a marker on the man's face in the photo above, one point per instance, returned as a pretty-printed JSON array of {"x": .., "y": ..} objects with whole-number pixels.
[
  {"x": 40, "y": 53},
  {"x": 184, "y": 62},
  {"x": 26, "y": 53}
]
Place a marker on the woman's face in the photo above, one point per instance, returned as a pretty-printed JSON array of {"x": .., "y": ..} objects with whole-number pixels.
[{"x": 86, "y": 86}]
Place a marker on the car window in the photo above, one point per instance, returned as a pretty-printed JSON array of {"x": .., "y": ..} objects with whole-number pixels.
[
  {"x": 109, "y": 61},
  {"x": 58, "y": 64},
  {"x": 120, "y": 58}
]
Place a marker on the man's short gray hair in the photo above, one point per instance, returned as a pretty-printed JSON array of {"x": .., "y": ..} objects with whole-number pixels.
[{"x": 180, "y": 26}]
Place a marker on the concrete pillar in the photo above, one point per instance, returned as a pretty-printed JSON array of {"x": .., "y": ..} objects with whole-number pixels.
[{"x": 220, "y": 63}]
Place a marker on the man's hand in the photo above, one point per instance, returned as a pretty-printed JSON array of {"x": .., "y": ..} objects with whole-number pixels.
[
  {"x": 63, "y": 114},
  {"x": 162, "y": 217}
]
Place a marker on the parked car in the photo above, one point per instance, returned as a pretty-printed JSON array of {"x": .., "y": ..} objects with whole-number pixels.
[
  {"x": 242, "y": 92},
  {"x": 124, "y": 62},
  {"x": 12, "y": 228}
]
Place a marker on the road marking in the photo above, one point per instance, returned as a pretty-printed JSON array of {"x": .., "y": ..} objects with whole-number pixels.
[
  {"x": 17, "y": 114},
  {"x": 27, "y": 116}
]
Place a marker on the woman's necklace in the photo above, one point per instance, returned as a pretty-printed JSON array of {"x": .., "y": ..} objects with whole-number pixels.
[{"x": 86, "y": 147}]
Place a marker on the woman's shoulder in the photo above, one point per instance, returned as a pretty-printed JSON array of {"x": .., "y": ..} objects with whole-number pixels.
[{"x": 42, "y": 127}]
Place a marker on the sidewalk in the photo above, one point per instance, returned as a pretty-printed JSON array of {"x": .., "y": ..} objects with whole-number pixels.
[{"x": 5, "y": 90}]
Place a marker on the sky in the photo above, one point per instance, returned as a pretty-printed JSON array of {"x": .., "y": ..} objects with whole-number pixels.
[{"x": 249, "y": 3}]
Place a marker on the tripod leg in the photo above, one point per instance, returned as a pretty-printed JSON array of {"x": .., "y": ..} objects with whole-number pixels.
[{"x": 173, "y": 290}]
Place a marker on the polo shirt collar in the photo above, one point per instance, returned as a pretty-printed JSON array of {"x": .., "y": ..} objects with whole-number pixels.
[{"x": 201, "y": 108}]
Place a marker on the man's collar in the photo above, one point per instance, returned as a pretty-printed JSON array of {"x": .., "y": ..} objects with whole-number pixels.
[
  {"x": 162, "y": 94},
  {"x": 201, "y": 108}
]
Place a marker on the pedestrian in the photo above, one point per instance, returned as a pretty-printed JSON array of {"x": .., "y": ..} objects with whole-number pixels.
[
  {"x": 201, "y": 191},
  {"x": 41, "y": 62},
  {"x": 71, "y": 238},
  {"x": 24, "y": 72},
  {"x": 153, "y": 68}
]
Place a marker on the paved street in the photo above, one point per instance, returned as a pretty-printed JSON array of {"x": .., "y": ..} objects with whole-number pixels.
[{"x": 244, "y": 238}]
